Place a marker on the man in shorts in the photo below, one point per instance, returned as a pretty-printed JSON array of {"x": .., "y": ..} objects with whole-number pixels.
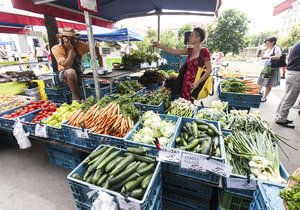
[{"x": 68, "y": 54}]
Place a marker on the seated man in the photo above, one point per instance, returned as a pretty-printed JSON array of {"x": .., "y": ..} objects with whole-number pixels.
[{"x": 68, "y": 54}]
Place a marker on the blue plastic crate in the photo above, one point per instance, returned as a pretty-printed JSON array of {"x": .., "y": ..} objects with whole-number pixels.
[
  {"x": 240, "y": 99},
  {"x": 229, "y": 201},
  {"x": 82, "y": 206},
  {"x": 128, "y": 138},
  {"x": 154, "y": 86},
  {"x": 255, "y": 206},
  {"x": 57, "y": 90},
  {"x": 59, "y": 95},
  {"x": 7, "y": 124},
  {"x": 152, "y": 196},
  {"x": 63, "y": 156},
  {"x": 55, "y": 133},
  {"x": 90, "y": 91},
  {"x": 71, "y": 137},
  {"x": 155, "y": 108},
  {"x": 267, "y": 196},
  {"x": 209, "y": 177},
  {"x": 107, "y": 140}
]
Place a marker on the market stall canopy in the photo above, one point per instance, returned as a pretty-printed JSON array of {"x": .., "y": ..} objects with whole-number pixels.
[
  {"x": 15, "y": 18},
  {"x": 13, "y": 28},
  {"x": 116, "y": 35},
  {"x": 115, "y": 10}
]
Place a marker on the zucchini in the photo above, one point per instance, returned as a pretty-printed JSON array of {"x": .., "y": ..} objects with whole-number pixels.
[
  {"x": 97, "y": 175},
  {"x": 146, "y": 170},
  {"x": 189, "y": 128},
  {"x": 194, "y": 129},
  {"x": 183, "y": 142},
  {"x": 137, "y": 193},
  {"x": 142, "y": 165},
  {"x": 146, "y": 181},
  {"x": 214, "y": 129},
  {"x": 108, "y": 159},
  {"x": 125, "y": 174},
  {"x": 110, "y": 166},
  {"x": 102, "y": 179},
  {"x": 191, "y": 139},
  {"x": 205, "y": 148},
  {"x": 123, "y": 164},
  {"x": 130, "y": 178},
  {"x": 146, "y": 159},
  {"x": 137, "y": 151},
  {"x": 128, "y": 187}
]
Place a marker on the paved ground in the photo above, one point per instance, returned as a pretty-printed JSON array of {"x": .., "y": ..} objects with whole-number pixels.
[{"x": 29, "y": 181}]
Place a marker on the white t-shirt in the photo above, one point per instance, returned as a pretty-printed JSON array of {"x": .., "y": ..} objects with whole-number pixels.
[{"x": 269, "y": 52}]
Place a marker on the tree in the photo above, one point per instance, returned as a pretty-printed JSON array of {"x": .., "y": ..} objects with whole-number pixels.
[
  {"x": 292, "y": 38},
  {"x": 229, "y": 33},
  {"x": 146, "y": 44},
  {"x": 168, "y": 38},
  {"x": 256, "y": 39}
]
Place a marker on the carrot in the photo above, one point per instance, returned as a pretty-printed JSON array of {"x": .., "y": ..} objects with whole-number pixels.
[{"x": 73, "y": 117}]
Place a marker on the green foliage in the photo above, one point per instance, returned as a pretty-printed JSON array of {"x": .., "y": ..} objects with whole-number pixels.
[
  {"x": 291, "y": 39},
  {"x": 229, "y": 33},
  {"x": 168, "y": 38},
  {"x": 255, "y": 39},
  {"x": 146, "y": 45}
]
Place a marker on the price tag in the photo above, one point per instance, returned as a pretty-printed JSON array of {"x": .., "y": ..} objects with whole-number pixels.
[
  {"x": 169, "y": 155},
  {"x": 82, "y": 134},
  {"x": 239, "y": 183},
  {"x": 193, "y": 162},
  {"x": 41, "y": 131},
  {"x": 218, "y": 168},
  {"x": 131, "y": 205}
]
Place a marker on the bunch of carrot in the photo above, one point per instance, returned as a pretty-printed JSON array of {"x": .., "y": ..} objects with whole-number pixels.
[
  {"x": 252, "y": 87},
  {"x": 107, "y": 120}
]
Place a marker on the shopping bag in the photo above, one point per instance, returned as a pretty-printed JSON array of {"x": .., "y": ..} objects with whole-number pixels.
[
  {"x": 205, "y": 87},
  {"x": 266, "y": 72}
]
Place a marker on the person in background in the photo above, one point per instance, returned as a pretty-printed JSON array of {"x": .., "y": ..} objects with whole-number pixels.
[
  {"x": 273, "y": 52},
  {"x": 195, "y": 40},
  {"x": 220, "y": 58},
  {"x": 68, "y": 54},
  {"x": 46, "y": 52},
  {"x": 292, "y": 88}
]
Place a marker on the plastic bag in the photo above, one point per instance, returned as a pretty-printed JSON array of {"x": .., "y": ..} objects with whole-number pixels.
[
  {"x": 20, "y": 135},
  {"x": 104, "y": 202},
  {"x": 266, "y": 72}
]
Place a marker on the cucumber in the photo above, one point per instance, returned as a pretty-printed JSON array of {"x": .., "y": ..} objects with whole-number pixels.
[
  {"x": 142, "y": 165},
  {"x": 87, "y": 173},
  {"x": 215, "y": 141},
  {"x": 125, "y": 174},
  {"x": 189, "y": 128},
  {"x": 185, "y": 136},
  {"x": 110, "y": 166},
  {"x": 108, "y": 159},
  {"x": 203, "y": 127},
  {"x": 192, "y": 145},
  {"x": 146, "y": 159},
  {"x": 201, "y": 122},
  {"x": 89, "y": 178},
  {"x": 191, "y": 139},
  {"x": 146, "y": 170},
  {"x": 97, "y": 153},
  {"x": 218, "y": 152},
  {"x": 128, "y": 187},
  {"x": 131, "y": 164},
  {"x": 125, "y": 162},
  {"x": 214, "y": 129},
  {"x": 93, "y": 167},
  {"x": 76, "y": 176},
  {"x": 102, "y": 179},
  {"x": 137, "y": 151},
  {"x": 137, "y": 193},
  {"x": 130, "y": 178},
  {"x": 106, "y": 183},
  {"x": 205, "y": 148},
  {"x": 97, "y": 176},
  {"x": 194, "y": 129},
  {"x": 197, "y": 148},
  {"x": 93, "y": 161},
  {"x": 146, "y": 181},
  {"x": 183, "y": 142},
  {"x": 210, "y": 132},
  {"x": 177, "y": 140}
]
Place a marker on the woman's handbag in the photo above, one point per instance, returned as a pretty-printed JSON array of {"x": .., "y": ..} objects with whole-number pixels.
[
  {"x": 205, "y": 88},
  {"x": 281, "y": 62},
  {"x": 266, "y": 72}
]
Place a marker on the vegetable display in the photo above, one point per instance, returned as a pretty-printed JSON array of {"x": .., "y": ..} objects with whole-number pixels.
[
  {"x": 182, "y": 107},
  {"x": 153, "y": 97},
  {"x": 26, "y": 109},
  {"x": 48, "y": 110},
  {"x": 107, "y": 120},
  {"x": 169, "y": 73},
  {"x": 227, "y": 74},
  {"x": 199, "y": 137},
  {"x": 154, "y": 127},
  {"x": 129, "y": 86},
  {"x": 240, "y": 86},
  {"x": 12, "y": 105},
  {"x": 88, "y": 103},
  {"x": 129, "y": 172},
  {"x": 6, "y": 98},
  {"x": 138, "y": 57},
  {"x": 291, "y": 194},
  {"x": 61, "y": 115},
  {"x": 151, "y": 77},
  {"x": 216, "y": 113}
]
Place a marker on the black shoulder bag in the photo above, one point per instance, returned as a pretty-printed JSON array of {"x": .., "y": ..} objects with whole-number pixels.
[{"x": 280, "y": 62}]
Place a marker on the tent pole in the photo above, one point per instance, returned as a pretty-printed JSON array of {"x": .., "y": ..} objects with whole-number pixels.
[
  {"x": 90, "y": 36},
  {"x": 158, "y": 27}
]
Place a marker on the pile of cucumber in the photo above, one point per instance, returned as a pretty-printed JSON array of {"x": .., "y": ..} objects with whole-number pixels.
[
  {"x": 129, "y": 173},
  {"x": 200, "y": 137}
]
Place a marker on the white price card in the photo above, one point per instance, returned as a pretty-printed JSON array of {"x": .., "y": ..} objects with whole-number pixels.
[
  {"x": 169, "y": 155},
  {"x": 239, "y": 183},
  {"x": 82, "y": 133},
  {"x": 41, "y": 131},
  {"x": 219, "y": 168},
  {"x": 193, "y": 162},
  {"x": 130, "y": 205},
  {"x": 88, "y": 5}
]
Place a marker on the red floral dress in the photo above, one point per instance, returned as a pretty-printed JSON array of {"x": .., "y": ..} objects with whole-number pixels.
[{"x": 190, "y": 74}]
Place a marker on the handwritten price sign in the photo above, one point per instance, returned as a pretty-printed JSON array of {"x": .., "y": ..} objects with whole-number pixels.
[
  {"x": 169, "y": 155},
  {"x": 193, "y": 162}
]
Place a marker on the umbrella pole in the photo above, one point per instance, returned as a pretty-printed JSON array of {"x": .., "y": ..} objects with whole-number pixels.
[
  {"x": 90, "y": 36},
  {"x": 158, "y": 27}
]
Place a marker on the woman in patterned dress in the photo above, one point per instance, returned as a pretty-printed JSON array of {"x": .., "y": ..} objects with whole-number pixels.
[{"x": 192, "y": 61}]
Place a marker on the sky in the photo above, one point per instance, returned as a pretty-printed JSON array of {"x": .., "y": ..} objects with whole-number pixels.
[{"x": 259, "y": 12}]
